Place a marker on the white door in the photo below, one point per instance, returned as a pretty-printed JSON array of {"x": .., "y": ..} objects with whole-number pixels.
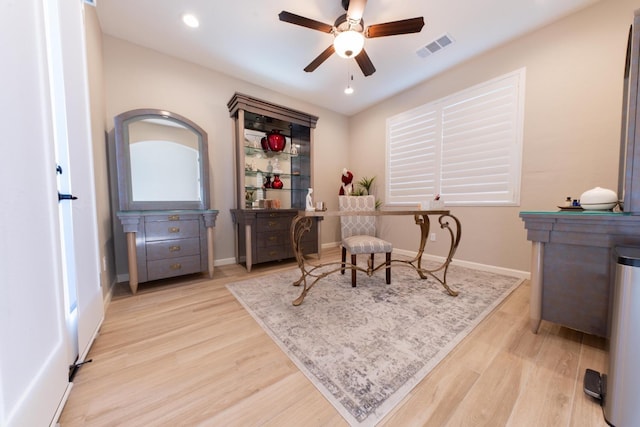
[
  {"x": 34, "y": 350},
  {"x": 75, "y": 119},
  {"x": 36, "y": 345}
]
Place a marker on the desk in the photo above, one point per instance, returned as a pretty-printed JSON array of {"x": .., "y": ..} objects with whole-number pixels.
[{"x": 310, "y": 274}]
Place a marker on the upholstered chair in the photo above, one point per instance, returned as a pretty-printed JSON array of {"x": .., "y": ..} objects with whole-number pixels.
[{"x": 359, "y": 234}]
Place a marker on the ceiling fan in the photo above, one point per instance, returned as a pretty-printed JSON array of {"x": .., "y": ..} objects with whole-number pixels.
[{"x": 349, "y": 33}]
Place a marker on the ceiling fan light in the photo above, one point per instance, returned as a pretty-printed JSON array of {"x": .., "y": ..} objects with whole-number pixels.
[{"x": 348, "y": 43}]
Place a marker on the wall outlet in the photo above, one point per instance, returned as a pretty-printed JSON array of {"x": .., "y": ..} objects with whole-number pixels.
[{"x": 433, "y": 237}]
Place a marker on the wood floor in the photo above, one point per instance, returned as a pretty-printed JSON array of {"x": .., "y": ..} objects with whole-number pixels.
[{"x": 186, "y": 354}]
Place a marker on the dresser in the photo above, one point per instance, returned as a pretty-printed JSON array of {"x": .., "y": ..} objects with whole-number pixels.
[
  {"x": 573, "y": 267},
  {"x": 265, "y": 235},
  {"x": 162, "y": 244},
  {"x": 159, "y": 177}
]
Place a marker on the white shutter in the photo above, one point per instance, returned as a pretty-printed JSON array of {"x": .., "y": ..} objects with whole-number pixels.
[
  {"x": 466, "y": 147},
  {"x": 481, "y": 142},
  {"x": 413, "y": 155}
]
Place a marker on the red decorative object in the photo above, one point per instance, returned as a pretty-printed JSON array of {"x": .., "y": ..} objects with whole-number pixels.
[
  {"x": 277, "y": 184},
  {"x": 267, "y": 181},
  {"x": 346, "y": 188},
  {"x": 276, "y": 140},
  {"x": 264, "y": 144}
]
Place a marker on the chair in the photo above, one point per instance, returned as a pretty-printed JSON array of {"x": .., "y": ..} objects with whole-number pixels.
[{"x": 359, "y": 234}]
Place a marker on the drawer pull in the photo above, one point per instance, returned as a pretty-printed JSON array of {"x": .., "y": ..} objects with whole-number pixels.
[
  {"x": 176, "y": 266},
  {"x": 273, "y": 238},
  {"x": 272, "y": 223},
  {"x": 174, "y": 217},
  {"x": 174, "y": 229},
  {"x": 175, "y": 248},
  {"x": 273, "y": 253}
]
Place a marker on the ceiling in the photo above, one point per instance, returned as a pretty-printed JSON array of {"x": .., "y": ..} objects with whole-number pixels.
[{"x": 245, "y": 39}]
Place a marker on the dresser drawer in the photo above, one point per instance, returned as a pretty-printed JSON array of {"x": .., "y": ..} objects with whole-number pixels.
[
  {"x": 274, "y": 253},
  {"x": 272, "y": 238},
  {"x": 273, "y": 222},
  {"x": 173, "y": 267},
  {"x": 164, "y": 230},
  {"x": 163, "y": 249}
]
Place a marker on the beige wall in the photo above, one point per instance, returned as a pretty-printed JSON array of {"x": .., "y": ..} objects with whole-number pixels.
[
  {"x": 574, "y": 75},
  {"x": 93, "y": 36},
  {"x": 137, "y": 77}
]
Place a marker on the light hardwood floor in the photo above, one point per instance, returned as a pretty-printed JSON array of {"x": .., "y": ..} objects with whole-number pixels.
[{"x": 187, "y": 353}]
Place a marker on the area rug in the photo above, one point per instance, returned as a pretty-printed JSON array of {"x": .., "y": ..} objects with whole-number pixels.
[{"x": 365, "y": 348}]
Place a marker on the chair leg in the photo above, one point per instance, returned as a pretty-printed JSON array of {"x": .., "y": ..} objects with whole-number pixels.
[
  {"x": 388, "y": 268},
  {"x": 353, "y": 271},
  {"x": 344, "y": 258}
]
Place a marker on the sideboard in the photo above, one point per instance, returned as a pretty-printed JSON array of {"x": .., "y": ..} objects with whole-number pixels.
[
  {"x": 163, "y": 244},
  {"x": 572, "y": 265}
]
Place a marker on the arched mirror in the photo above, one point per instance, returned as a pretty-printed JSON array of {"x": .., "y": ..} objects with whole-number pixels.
[{"x": 162, "y": 161}]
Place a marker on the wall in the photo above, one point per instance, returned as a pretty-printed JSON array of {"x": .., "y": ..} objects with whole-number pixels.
[
  {"x": 136, "y": 77},
  {"x": 93, "y": 35},
  {"x": 572, "y": 125}
]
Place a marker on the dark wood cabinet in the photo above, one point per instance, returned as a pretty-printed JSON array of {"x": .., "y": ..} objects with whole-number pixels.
[
  {"x": 263, "y": 213},
  {"x": 264, "y": 235}
]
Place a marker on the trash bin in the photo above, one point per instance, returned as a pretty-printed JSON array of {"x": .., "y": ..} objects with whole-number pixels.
[{"x": 622, "y": 385}]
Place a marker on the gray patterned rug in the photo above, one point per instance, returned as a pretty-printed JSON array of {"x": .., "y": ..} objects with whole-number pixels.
[{"x": 365, "y": 348}]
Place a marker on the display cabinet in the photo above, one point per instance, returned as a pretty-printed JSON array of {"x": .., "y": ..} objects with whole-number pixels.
[{"x": 274, "y": 171}]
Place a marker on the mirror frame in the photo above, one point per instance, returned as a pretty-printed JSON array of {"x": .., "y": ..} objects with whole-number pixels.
[{"x": 123, "y": 162}]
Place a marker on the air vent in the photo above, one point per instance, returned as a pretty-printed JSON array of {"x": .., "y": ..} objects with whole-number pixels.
[{"x": 435, "y": 46}]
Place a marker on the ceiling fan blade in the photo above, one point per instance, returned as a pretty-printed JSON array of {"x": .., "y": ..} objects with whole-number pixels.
[
  {"x": 405, "y": 26},
  {"x": 320, "y": 59},
  {"x": 365, "y": 64},
  {"x": 292, "y": 18},
  {"x": 356, "y": 9}
]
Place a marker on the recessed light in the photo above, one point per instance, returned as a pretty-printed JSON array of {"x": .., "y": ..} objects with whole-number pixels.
[{"x": 190, "y": 20}]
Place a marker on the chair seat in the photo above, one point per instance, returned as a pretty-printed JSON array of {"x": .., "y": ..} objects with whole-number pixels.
[{"x": 366, "y": 245}]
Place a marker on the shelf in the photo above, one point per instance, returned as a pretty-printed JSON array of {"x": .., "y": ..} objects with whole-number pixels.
[
  {"x": 282, "y": 175},
  {"x": 259, "y": 153}
]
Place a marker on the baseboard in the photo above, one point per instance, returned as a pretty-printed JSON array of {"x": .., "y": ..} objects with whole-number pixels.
[
  {"x": 469, "y": 264},
  {"x": 330, "y": 245},
  {"x": 224, "y": 261}
]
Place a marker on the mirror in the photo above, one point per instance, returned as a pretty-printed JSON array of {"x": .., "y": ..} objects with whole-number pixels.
[{"x": 161, "y": 160}]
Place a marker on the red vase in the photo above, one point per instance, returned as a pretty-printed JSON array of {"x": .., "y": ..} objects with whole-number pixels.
[
  {"x": 264, "y": 144},
  {"x": 276, "y": 140},
  {"x": 267, "y": 181},
  {"x": 277, "y": 184}
]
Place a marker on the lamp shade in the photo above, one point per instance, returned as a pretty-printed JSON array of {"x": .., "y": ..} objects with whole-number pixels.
[{"x": 348, "y": 43}]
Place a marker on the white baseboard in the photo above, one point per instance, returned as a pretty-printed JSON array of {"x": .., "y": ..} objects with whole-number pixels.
[
  {"x": 330, "y": 245},
  {"x": 224, "y": 261},
  {"x": 469, "y": 264}
]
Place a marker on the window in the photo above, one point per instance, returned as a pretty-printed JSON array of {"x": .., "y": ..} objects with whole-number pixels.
[{"x": 466, "y": 147}]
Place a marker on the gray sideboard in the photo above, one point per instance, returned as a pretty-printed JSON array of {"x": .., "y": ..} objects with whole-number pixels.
[
  {"x": 572, "y": 265},
  {"x": 163, "y": 244}
]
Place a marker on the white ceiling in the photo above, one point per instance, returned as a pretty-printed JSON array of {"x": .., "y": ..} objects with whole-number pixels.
[{"x": 245, "y": 39}]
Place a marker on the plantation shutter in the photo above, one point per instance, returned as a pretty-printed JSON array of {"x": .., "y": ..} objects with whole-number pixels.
[
  {"x": 413, "y": 156},
  {"x": 481, "y": 143},
  {"x": 466, "y": 147}
]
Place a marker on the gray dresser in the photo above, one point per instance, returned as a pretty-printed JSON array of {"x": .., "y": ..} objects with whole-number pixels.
[{"x": 165, "y": 244}]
